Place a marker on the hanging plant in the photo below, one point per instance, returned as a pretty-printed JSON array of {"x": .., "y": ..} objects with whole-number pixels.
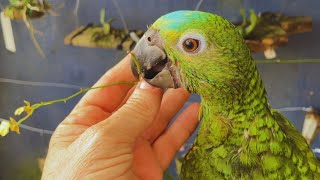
[
  {"x": 26, "y": 10},
  {"x": 269, "y": 30},
  {"x": 262, "y": 33},
  {"x": 103, "y": 35}
]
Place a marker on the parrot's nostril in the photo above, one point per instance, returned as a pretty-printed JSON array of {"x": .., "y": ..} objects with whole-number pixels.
[{"x": 149, "y": 39}]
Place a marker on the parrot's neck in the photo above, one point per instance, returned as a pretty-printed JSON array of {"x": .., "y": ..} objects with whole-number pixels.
[
  {"x": 249, "y": 96},
  {"x": 229, "y": 112}
]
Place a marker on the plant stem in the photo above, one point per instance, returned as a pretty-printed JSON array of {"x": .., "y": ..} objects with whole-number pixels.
[
  {"x": 289, "y": 61},
  {"x": 35, "y": 106},
  {"x": 136, "y": 62}
]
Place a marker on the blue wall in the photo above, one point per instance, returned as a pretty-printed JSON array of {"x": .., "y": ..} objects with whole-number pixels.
[{"x": 288, "y": 85}]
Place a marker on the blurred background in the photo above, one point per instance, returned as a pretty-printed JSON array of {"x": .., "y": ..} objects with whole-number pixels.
[{"x": 67, "y": 68}]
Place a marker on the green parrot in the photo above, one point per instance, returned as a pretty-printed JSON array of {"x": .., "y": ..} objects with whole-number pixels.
[{"x": 240, "y": 136}]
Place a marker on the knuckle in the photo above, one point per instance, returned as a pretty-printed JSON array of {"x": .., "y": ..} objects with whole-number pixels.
[
  {"x": 91, "y": 108},
  {"x": 88, "y": 109},
  {"x": 141, "y": 105}
]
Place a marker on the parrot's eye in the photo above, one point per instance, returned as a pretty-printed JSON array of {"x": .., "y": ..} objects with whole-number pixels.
[{"x": 190, "y": 45}]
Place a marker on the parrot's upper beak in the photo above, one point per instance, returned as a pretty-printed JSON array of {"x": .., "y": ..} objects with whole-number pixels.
[{"x": 156, "y": 67}]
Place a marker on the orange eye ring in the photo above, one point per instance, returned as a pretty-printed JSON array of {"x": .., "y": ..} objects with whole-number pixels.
[{"x": 190, "y": 45}]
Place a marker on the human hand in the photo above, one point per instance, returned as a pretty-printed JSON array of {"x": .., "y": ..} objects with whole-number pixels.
[{"x": 120, "y": 132}]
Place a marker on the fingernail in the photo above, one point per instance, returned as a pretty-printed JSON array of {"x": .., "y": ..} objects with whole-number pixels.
[{"x": 145, "y": 85}]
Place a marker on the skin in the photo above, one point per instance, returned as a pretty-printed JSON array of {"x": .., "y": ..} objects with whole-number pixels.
[{"x": 120, "y": 132}]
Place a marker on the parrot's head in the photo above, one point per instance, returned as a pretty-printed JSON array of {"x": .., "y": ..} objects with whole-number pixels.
[{"x": 194, "y": 50}]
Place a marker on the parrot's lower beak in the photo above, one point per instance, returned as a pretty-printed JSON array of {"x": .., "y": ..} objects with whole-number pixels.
[{"x": 156, "y": 67}]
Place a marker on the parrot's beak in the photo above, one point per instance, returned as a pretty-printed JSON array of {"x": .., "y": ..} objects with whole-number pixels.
[{"x": 156, "y": 67}]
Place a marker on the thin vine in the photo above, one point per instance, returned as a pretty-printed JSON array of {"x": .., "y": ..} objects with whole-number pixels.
[{"x": 13, "y": 125}]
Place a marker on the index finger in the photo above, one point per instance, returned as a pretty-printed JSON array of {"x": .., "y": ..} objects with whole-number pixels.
[{"x": 109, "y": 98}]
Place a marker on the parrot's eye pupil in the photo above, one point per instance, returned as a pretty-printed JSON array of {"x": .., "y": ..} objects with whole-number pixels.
[{"x": 190, "y": 45}]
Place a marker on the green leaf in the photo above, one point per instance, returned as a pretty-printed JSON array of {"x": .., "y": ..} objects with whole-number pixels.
[
  {"x": 14, "y": 2},
  {"x": 106, "y": 28},
  {"x": 102, "y": 16},
  {"x": 253, "y": 22},
  {"x": 244, "y": 17}
]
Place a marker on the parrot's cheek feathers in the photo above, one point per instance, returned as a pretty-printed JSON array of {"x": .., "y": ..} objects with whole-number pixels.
[{"x": 156, "y": 68}]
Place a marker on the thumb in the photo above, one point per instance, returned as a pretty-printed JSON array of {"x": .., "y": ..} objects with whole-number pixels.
[{"x": 130, "y": 120}]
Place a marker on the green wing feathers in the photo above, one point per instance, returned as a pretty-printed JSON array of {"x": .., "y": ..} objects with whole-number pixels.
[
  {"x": 269, "y": 148},
  {"x": 302, "y": 162}
]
